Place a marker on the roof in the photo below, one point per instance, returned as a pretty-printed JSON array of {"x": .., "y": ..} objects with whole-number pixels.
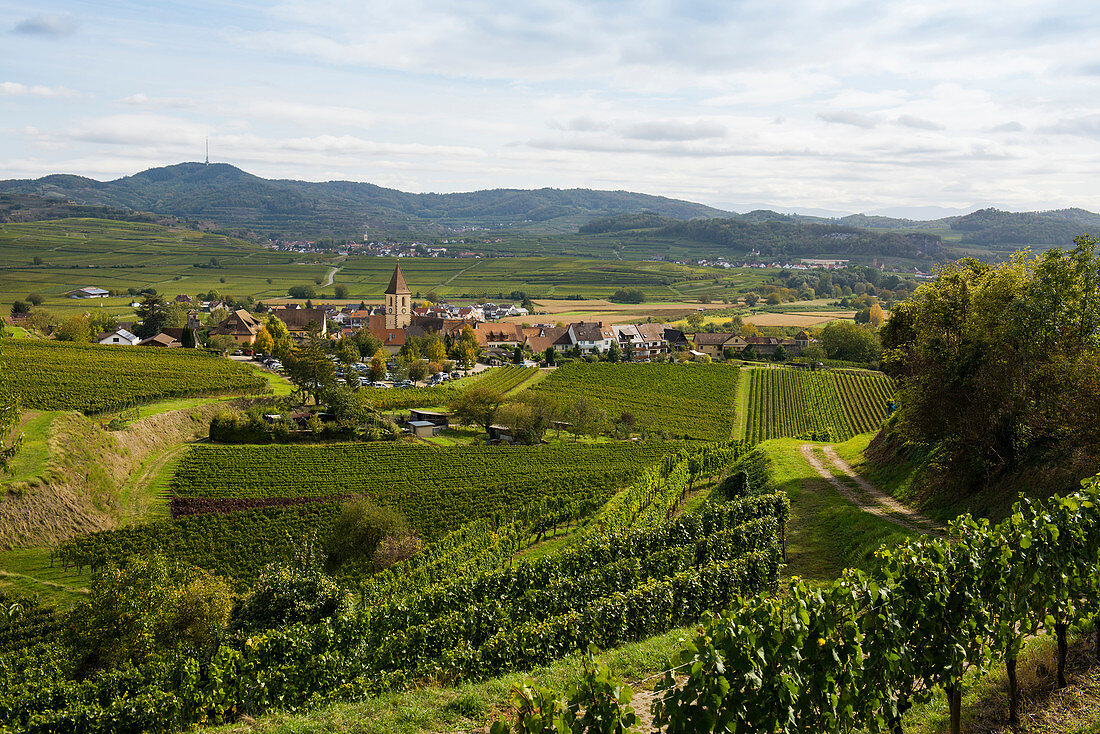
[
  {"x": 715, "y": 339},
  {"x": 298, "y": 319},
  {"x": 119, "y": 332},
  {"x": 160, "y": 340},
  {"x": 487, "y": 333},
  {"x": 239, "y": 323},
  {"x": 398, "y": 286},
  {"x": 541, "y": 337},
  {"x": 421, "y": 424},
  {"x": 89, "y": 290},
  {"x": 590, "y": 332},
  {"x": 652, "y": 332}
]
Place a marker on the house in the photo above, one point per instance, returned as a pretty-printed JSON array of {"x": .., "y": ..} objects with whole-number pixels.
[
  {"x": 398, "y": 301},
  {"x": 443, "y": 420},
  {"x": 241, "y": 325},
  {"x": 500, "y": 433},
  {"x": 654, "y": 341},
  {"x": 118, "y": 336},
  {"x": 88, "y": 292},
  {"x": 160, "y": 340},
  {"x": 424, "y": 429},
  {"x": 497, "y": 335},
  {"x": 714, "y": 344},
  {"x": 538, "y": 338},
  {"x": 299, "y": 320},
  {"x": 183, "y": 298},
  {"x": 591, "y": 337}
]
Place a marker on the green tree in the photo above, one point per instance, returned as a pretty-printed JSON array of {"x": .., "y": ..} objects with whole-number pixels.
[
  {"x": 310, "y": 368},
  {"x": 850, "y": 342},
  {"x": 341, "y": 292},
  {"x": 361, "y": 527},
  {"x": 614, "y": 353},
  {"x": 74, "y": 329},
  {"x": 153, "y": 314},
  {"x": 281, "y": 343},
  {"x": 476, "y": 406},
  {"x": 9, "y": 416},
  {"x": 585, "y": 418}
]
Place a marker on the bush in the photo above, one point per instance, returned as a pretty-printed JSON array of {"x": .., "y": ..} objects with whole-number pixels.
[
  {"x": 360, "y": 529},
  {"x": 283, "y": 595},
  {"x": 395, "y": 549}
]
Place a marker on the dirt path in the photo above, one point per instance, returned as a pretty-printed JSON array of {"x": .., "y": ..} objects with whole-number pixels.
[
  {"x": 869, "y": 498},
  {"x": 43, "y": 582},
  {"x": 332, "y": 273}
]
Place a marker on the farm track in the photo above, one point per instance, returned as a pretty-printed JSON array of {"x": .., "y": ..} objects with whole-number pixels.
[
  {"x": 332, "y": 273},
  {"x": 867, "y": 497}
]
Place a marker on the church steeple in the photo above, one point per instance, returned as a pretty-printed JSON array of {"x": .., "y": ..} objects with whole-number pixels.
[{"x": 398, "y": 301}]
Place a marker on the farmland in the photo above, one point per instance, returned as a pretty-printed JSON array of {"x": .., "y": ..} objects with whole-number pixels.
[
  {"x": 93, "y": 378},
  {"x": 437, "y": 488},
  {"x": 694, "y": 401},
  {"x": 832, "y": 405}
]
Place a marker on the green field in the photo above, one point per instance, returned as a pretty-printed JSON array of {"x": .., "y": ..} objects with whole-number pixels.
[
  {"x": 93, "y": 378},
  {"x": 437, "y": 488},
  {"x": 687, "y": 400},
  {"x": 823, "y": 405}
]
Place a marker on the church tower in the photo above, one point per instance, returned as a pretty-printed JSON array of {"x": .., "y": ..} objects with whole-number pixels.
[{"x": 398, "y": 301}]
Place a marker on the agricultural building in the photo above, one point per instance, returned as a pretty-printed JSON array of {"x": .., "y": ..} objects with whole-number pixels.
[
  {"x": 118, "y": 336},
  {"x": 442, "y": 420},
  {"x": 424, "y": 428},
  {"x": 88, "y": 292}
]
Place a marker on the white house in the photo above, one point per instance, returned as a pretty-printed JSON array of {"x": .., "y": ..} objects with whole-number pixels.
[{"x": 119, "y": 336}]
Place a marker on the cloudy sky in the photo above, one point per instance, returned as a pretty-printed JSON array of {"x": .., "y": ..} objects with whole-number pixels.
[{"x": 795, "y": 104}]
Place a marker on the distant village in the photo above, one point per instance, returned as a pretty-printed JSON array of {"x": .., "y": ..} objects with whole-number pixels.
[{"x": 399, "y": 320}]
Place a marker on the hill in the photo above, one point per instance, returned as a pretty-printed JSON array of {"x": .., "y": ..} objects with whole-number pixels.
[{"x": 232, "y": 198}]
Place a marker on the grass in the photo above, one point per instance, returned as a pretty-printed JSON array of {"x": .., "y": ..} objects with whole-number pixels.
[
  {"x": 33, "y": 455},
  {"x": 29, "y": 571},
  {"x": 826, "y": 533}
]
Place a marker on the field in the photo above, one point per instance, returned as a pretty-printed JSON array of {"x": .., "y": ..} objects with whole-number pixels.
[
  {"x": 436, "y": 488},
  {"x": 796, "y": 318},
  {"x": 49, "y": 375},
  {"x": 832, "y": 405},
  {"x": 687, "y": 400}
]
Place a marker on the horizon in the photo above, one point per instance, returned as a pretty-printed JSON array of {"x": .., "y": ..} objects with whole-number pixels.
[
  {"x": 931, "y": 212},
  {"x": 851, "y": 107}
]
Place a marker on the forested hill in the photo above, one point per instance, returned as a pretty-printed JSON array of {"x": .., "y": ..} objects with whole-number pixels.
[
  {"x": 785, "y": 238},
  {"x": 231, "y": 198}
]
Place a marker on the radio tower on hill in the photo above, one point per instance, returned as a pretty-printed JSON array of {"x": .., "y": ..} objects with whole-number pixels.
[{"x": 207, "y": 163}]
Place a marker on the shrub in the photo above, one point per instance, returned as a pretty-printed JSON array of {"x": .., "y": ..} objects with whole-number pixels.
[{"x": 360, "y": 528}]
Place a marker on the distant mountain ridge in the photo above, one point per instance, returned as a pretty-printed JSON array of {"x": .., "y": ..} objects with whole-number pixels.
[{"x": 234, "y": 199}]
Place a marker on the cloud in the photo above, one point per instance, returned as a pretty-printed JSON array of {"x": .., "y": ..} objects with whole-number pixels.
[
  {"x": 1007, "y": 127},
  {"x": 847, "y": 118},
  {"x": 674, "y": 130},
  {"x": 1087, "y": 126},
  {"x": 17, "y": 89},
  {"x": 50, "y": 26},
  {"x": 918, "y": 123},
  {"x": 140, "y": 99},
  {"x": 582, "y": 124}
]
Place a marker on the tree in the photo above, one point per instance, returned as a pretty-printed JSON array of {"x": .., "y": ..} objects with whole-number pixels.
[
  {"x": 187, "y": 340},
  {"x": 614, "y": 353},
  {"x": 550, "y": 356},
  {"x": 263, "y": 343},
  {"x": 368, "y": 343},
  {"x": 341, "y": 292},
  {"x": 695, "y": 320},
  {"x": 996, "y": 364},
  {"x": 850, "y": 342},
  {"x": 875, "y": 317},
  {"x": 222, "y": 343},
  {"x": 517, "y": 355},
  {"x": 435, "y": 351},
  {"x": 18, "y": 307},
  {"x": 378, "y": 365},
  {"x": 418, "y": 370},
  {"x": 310, "y": 369},
  {"x": 773, "y": 299},
  {"x": 153, "y": 313},
  {"x": 281, "y": 343},
  {"x": 476, "y": 406},
  {"x": 780, "y": 354},
  {"x": 585, "y": 418},
  {"x": 347, "y": 351},
  {"x": 35, "y": 299},
  {"x": 302, "y": 292},
  {"x": 74, "y": 329},
  {"x": 628, "y": 295}
]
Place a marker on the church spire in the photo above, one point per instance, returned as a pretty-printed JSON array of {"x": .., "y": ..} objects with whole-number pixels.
[{"x": 398, "y": 286}]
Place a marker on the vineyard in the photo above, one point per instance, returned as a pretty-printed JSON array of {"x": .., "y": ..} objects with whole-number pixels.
[
  {"x": 460, "y": 610},
  {"x": 437, "y": 488},
  {"x": 687, "y": 400},
  {"x": 817, "y": 405},
  {"x": 499, "y": 379},
  {"x": 93, "y": 378}
]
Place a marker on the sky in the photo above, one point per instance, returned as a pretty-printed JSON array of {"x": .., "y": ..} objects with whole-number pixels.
[{"x": 809, "y": 105}]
